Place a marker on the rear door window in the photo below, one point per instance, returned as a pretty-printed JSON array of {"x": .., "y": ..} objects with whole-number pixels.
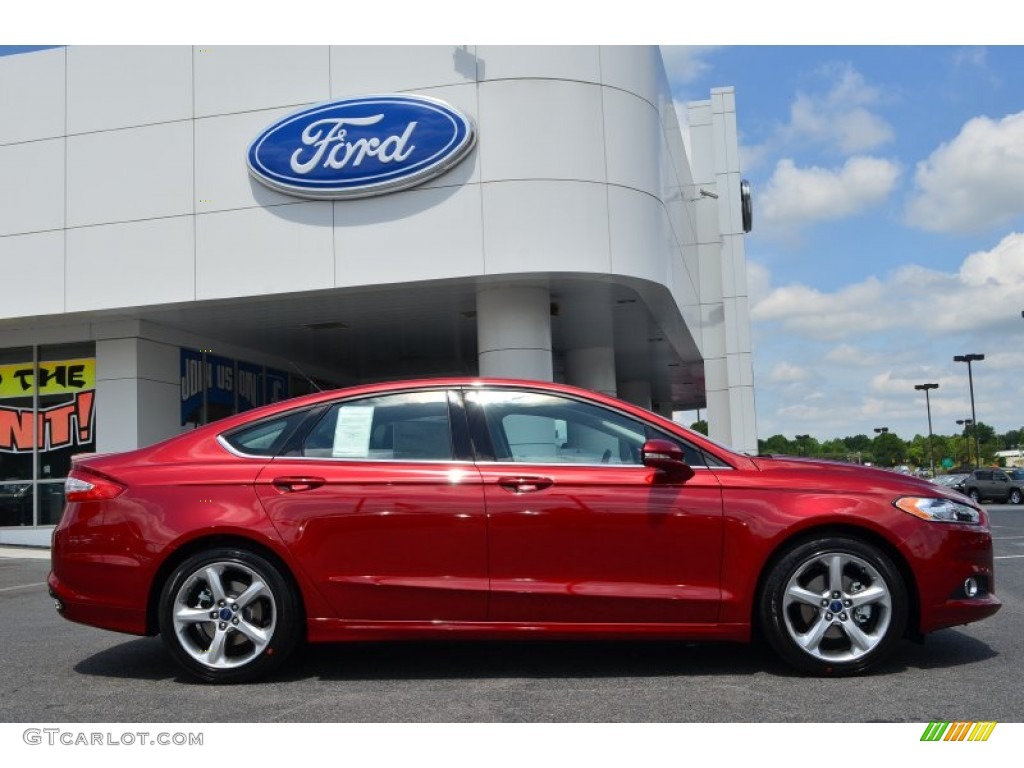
[{"x": 409, "y": 426}]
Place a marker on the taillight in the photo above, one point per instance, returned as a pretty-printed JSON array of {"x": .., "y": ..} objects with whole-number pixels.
[{"x": 81, "y": 486}]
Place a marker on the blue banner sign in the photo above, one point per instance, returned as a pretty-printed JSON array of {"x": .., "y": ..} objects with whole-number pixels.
[{"x": 213, "y": 387}]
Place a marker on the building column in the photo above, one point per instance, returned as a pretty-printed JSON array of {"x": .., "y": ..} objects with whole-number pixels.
[
  {"x": 592, "y": 368},
  {"x": 637, "y": 392},
  {"x": 513, "y": 325},
  {"x": 138, "y": 393}
]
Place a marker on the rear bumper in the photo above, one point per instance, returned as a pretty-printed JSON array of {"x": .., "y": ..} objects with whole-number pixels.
[{"x": 80, "y": 608}]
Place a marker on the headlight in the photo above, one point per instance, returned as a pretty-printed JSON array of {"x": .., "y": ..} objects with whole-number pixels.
[{"x": 938, "y": 510}]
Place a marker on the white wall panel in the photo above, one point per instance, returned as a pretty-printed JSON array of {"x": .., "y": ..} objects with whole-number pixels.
[
  {"x": 130, "y": 174},
  {"x": 32, "y": 270},
  {"x": 464, "y": 98},
  {"x": 31, "y": 186},
  {"x": 632, "y": 68},
  {"x": 159, "y": 411},
  {"x": 702, "y": 159},
  {"x": 223, "y": 181},
  {"x": 263, "y": 251},
  {"x": 573, "y": 62},
  {"x": 541, "y": 129},
  {"x": 117, "y": 86},
  {"x": 117, "y": 411},
  {"x": 712, "y": 321},
  {"x": 710, "y": 255},
  {"x": 639, "y": 235},
  {"x": 361, "y": 69},
  {"x": 134, "y": 264},
  {"x": 235, "y": 78},
  {"x": 32, "y": 96},
  {"x": 424, "y": 234},
  {"x": 538, "y": 226},
  {"x": 632, "y": 136}
]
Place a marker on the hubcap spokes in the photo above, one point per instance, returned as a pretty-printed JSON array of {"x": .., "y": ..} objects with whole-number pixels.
[
  {"x": 224, "y": 615},
  {"x": 837, "y": 607}
]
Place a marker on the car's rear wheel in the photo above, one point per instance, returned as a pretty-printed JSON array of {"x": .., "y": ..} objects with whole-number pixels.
[
  {"x": 834, "y": 606},
  {"x": 229, "y": 615},
  {"x": 1015, "y": 496}
]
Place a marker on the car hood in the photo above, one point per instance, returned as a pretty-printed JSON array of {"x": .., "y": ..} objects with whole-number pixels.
[{"x": 838, "y": 475}]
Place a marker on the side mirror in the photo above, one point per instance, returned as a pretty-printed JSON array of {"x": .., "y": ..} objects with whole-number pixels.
[{"x": 664, "y": 455}]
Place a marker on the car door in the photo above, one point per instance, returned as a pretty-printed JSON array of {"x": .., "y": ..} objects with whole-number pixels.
[
  {"x": 579, "y": 530},
  {"x": 1000, "y": 486},
  {"x": 381, "y": 505}
]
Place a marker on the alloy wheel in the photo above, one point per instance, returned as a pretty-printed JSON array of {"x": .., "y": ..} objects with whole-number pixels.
[
  {"x": 224, "y": 615},
  {"x": 837, "y": 607}
]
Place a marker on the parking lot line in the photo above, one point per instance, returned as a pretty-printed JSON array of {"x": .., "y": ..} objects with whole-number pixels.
[{"x": 23, "y": 586}]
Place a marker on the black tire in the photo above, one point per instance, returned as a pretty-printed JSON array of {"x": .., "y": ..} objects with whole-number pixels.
[
  {"x": 228, "y": 615},
  {"x": 847, "y": 634},
  {"x": 1015, "y": 496},
  {"x": 975, "y": 496}
]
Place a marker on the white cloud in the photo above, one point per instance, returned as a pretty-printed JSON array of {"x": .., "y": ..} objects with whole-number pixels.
[
  {"x": 975, "y": 181},
  {"x": 784, "y": 372},
  {"x": 988, "y": 291},
  {"x": 849, "y": 355},
  {"x": 840, "y": 118},
  {"x": 893, "y": 332},
  {"x": 796, "y": 197}
]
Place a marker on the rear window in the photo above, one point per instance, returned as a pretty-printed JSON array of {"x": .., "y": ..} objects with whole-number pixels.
[{"x": 265, "y": 438}]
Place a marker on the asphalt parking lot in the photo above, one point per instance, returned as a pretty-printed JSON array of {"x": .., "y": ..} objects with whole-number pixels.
[{"x": 55, "y": 671}]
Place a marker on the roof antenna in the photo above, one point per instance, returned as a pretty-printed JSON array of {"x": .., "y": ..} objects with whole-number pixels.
[{"x": 302, "y": 373}]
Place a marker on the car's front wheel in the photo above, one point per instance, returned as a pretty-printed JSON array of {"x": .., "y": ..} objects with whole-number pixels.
[
  {"x": 229, "y": 615},
  {"x": 1016, "y": 497},
  {"x": 834, "y": 606},
  {"x": 975, "y": 495}
]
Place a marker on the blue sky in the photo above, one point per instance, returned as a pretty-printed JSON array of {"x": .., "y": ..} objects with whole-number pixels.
[
  {"x": 888, "y": 179},
  {"x": 889, "y": 211}
]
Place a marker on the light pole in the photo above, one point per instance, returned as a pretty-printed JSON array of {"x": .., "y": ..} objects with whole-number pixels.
[
  {"x": 972, "y": 358},
  {"x": 928, "y": 404},
  {"x": 966, "y": 423}
]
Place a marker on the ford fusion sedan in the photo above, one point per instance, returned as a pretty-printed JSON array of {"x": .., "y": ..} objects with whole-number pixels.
[{"x": 476, "y": 509}]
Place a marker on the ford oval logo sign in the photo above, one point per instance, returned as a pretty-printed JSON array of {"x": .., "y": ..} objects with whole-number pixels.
[{"x": 359, "y": 147}]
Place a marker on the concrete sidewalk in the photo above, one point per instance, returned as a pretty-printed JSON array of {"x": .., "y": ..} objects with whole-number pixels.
[{"x": 25, "y": 553}]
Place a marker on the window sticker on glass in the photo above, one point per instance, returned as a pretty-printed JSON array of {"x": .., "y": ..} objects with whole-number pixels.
[{"x": 352, "y": 431}]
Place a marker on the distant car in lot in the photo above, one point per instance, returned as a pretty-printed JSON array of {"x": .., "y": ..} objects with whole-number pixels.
[
  {"x": 954, "y": 481},
  {"x": 466, "y": 508},
  {"x": 1000, "y": 485}
]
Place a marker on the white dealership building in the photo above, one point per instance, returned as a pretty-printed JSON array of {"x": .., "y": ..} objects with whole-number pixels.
[{"x": 156, "y": 276}]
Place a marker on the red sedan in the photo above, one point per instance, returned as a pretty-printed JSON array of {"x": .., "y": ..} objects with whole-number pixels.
[{"x": 503, "y": 509}]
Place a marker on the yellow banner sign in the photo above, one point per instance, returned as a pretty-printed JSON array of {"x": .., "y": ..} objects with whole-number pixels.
[{"x": 55, "y": 377}]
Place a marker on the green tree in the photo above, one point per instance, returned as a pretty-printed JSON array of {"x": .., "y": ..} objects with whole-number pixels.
[
  {"x": 776, "y": 444},
  {"x": 858, "y": 443},
  {"x": 889, "y": 450},
  {"x": 836, "y": 449},
  {"x": 700, "y": 426}
]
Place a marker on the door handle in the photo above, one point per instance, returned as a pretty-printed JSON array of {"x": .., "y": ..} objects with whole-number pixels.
[
  {"x": 525, "y": 483},
  {"x": 291, "y": 484}
]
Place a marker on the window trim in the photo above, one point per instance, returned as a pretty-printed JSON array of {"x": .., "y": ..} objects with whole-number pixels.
[
  {"x": 458, "y": 430},
  {"x": 484, "y": 448}
]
